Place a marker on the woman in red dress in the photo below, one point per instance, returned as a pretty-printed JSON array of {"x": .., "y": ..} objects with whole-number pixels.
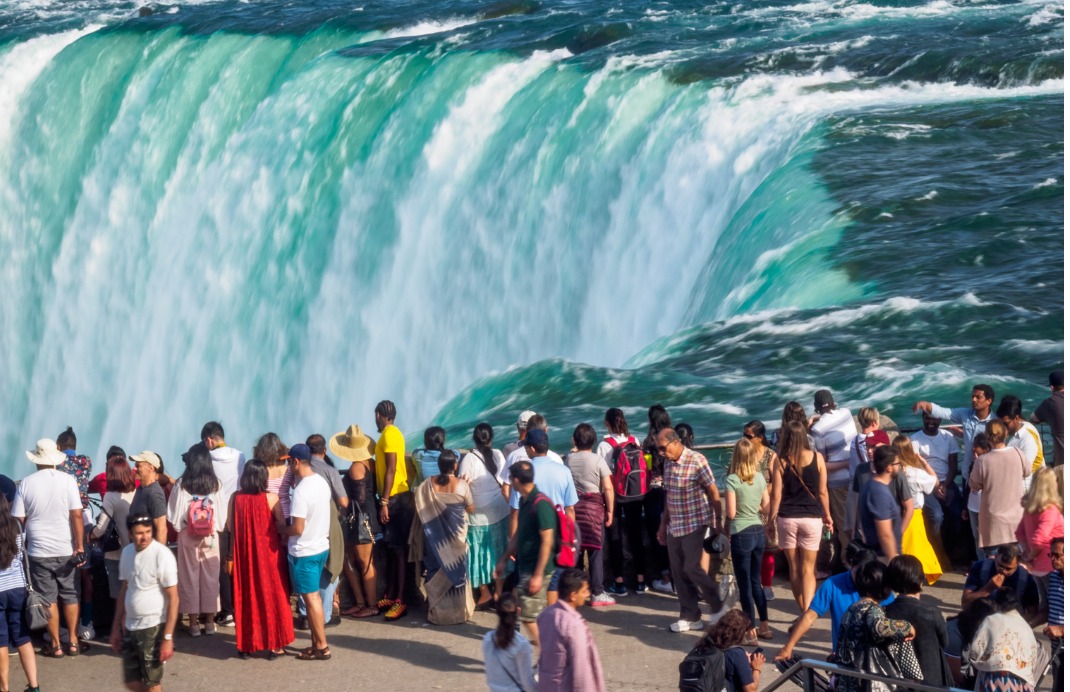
[{"x": 262, "y": 613}]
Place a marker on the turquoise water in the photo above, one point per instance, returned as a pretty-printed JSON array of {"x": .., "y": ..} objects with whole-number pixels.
[{"x": 277, "y": 215}]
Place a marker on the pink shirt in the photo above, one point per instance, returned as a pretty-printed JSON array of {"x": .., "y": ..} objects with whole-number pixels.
[
  {"x": 569, "y": 659},
  {"x": 1036, "y": 532}
]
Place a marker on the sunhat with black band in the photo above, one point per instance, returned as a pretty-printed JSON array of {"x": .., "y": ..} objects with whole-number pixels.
[{"x": 352, "y": 445}]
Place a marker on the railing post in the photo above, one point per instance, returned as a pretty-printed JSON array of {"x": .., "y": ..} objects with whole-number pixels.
[{"x": 808, "y": 679}]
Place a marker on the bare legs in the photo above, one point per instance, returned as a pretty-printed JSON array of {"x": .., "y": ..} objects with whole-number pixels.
[
  {"x": 360, "y": 573},
  {"x": 801, "y": 565}
]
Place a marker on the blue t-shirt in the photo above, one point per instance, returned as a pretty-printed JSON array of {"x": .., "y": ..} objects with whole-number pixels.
[
  {"x": 838, "y": 594},
  {"x": 1023, "y": 584},
  {"x": 554, "y": 481},
  {"x": 737, "y": 671},
  {"x": 876, "y": 502}
]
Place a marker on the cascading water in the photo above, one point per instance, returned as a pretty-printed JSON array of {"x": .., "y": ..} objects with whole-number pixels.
[{"x": 207, "y": 218}]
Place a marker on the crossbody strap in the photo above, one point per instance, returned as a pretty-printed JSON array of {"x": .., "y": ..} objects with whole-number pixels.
[{"x": 26, "y": 565}]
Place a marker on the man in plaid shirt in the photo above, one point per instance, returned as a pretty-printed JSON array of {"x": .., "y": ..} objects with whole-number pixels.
[{"x": 692, "y": 504}]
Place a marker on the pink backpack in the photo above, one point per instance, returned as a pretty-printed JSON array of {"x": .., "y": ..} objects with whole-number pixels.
[{"x": 200, "y": 517}]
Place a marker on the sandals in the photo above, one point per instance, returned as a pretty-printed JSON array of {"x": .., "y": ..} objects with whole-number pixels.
[
  {"x": 765, "y": 635},
  {"x": 77, "y": 649},
  {"x": 314, "y": 654},
  {"x": 272, "y": 655},
  {"x": 52, "y": 652}
]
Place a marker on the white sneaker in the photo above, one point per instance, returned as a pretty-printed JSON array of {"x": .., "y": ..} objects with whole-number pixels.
[
  {"x": 769, "y": 593},
  {"x": 602, "y": 600},
  {"x": 87, "y": 632},
  {"x": 663, "y": 586},
  {"x": 685, "y": 626},
  {"x": 194, "y": 630}
]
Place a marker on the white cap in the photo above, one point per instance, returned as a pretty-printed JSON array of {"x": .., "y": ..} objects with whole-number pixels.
[{"x": 522, "y": 421}]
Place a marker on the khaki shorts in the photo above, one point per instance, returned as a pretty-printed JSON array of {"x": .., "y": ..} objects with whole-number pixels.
[
  {"x": 141, "y": 656},
  {"x": 531, "y": 606}
]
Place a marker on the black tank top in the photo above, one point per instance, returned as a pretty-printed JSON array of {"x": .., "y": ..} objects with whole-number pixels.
[{"x": 799, "y": 497}]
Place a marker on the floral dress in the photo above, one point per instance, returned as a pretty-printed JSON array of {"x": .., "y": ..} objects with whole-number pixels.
[{"x": 865, "y": 627}]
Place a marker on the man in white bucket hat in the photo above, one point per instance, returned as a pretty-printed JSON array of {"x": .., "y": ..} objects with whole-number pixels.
[{"x": 48, "y": 504}]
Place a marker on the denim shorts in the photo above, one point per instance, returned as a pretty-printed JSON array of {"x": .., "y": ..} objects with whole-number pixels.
[
  {"x": 13, "y": 629},
  {"x": 305, "y": 572}
]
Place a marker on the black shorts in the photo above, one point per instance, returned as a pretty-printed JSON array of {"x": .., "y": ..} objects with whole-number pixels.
[{"x": 402, "y": 508}]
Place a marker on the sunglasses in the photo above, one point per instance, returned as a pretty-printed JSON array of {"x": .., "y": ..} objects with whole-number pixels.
[{"x": 1055, "y": 555}]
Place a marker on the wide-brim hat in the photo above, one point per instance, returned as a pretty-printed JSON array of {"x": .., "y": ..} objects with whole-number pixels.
[
  {"x": 46, "y": 454},
  {"x": 352, "y": 445}
]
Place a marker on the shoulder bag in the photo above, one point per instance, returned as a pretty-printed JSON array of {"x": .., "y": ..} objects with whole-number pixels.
[{"x": 37, "y": 609}]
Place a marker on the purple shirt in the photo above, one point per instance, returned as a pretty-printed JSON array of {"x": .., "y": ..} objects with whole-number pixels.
[{"x": 569, "y": 659}]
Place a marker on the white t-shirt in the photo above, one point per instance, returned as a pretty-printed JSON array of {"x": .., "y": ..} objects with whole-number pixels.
[
  {"x": 311, "y": 502},
  {"x": 521, "y": 454},
  {"x": 229, "y": 464},
  {"x": 833, "y": 434},
  {"x": 147, "y": 573},
  {"x": 936, "y": 450},
  {"x": 491, "y": 506},
  {"x": 605, "y": 450},
  {"x": 920, "y": 483},
  {"x": 45, "y": 499}
]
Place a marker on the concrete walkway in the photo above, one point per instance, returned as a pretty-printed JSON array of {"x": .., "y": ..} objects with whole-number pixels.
[{"x": 638, "y": 653}]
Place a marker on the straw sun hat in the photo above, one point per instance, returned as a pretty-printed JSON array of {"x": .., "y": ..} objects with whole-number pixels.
[{"x": 352, "y": 445}]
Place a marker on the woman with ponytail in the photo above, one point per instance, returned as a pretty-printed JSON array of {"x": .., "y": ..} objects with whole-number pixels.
[
  {"x": 507, "y": 655},
  {"x": 488, "y": 528}
]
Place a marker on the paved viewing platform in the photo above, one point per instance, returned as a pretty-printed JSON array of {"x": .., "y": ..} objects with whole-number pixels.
[{"x": 637, "y": 649}]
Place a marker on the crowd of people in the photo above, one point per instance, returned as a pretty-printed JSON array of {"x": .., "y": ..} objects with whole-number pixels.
[{"x": 535, "y": 536}]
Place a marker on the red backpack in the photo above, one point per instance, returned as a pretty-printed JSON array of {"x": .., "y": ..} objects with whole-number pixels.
[
  {"x": 565, "y": 539},
  {"x": 200, "y": 517},
  {"x": 630, "y": 479}
]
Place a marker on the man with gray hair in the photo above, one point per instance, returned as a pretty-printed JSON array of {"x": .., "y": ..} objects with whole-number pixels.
[{"x": 692, "y": 504}]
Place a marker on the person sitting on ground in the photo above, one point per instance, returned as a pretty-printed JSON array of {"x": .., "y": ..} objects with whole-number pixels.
[
  {"x": 836, "y": 595},
  {"x": 833, "y": 431},
  {"x": 488, "y": 527},
  {"x": 867, "y": 633},
  {"x": 1003, "y": 570},
  {"x": 1042, "y": 522},
  {"x": 800, "y": 506},
  {"x": 532, "y": 545},
  {"x": 1050, "y": 412},
  {"x": 998, "y": 476},
  {"x": 1021, "y": 434},
  {"x": 972, "y": 420},
  {"x": 1054, "y": 629},
  {"x": 506, "y": 656},
  {"x": 878, "y": 512},
  {"x": 746, "y": 495},
  {"x": 569, "y": 659},
  {"x": 742, "y": 671},
  {"x": 940, "y": 451},
  {"x": 48, "y": 504},
  {"x": 1004, "y": 651},
  {"x": 198, "y": 495},
  {"x": 692, "y": 505},
  {"x": 14, "y": 629},
  {"x": 594, "y": 511},
  {"x": 906, "y": 576},
  {"x": 262, "y": 617},
  {"x": 443, "y": 503},
  {"x": 921, "y": 479},
  {"x": 146, "y": 612},
  {"x": 960, "y": 632}
]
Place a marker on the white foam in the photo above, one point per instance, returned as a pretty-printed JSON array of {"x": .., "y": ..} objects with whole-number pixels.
[
  {"x": 1037, "y": 346},
  {"x": 931, "y": 194},
  {"x": 426, "y": 28},
  {"x": 1048, "y": 182}
]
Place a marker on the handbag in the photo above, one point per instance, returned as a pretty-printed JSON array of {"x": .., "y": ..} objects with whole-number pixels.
[
  {"x": 37, "y": 610},
  {"x": 110, "y": 541}
]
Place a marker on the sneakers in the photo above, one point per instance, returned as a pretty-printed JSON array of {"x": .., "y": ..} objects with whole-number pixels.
[
  {"x": 87, "y": 632},
  {"x": 194, "y": 630},
  {"x": 685, "y": 626},
  {"x": 663, "y": 586},
  {"x": 224, "y": 620},
  {"x": 769, "y": 593},
  {"x": 602, "y": 600},
  {"x": 209, "y": 629},
  {"x": 396, "y": 612},
  {"x": 640, "y": 588},
  {"x": 383, "y": 604},
  {"x": 618, "y": 589}
]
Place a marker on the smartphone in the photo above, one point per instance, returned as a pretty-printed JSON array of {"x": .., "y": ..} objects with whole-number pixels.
[{"x": 759, "y": 650}]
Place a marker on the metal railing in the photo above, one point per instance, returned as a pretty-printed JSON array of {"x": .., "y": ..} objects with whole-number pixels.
[{"x": 807, "y": 668}]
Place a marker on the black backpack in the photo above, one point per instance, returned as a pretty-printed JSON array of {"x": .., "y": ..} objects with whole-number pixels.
[{"x": 702, "y": 670}]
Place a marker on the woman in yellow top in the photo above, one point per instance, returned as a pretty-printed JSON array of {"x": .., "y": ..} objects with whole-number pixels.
[{"x": 921, "y": 479}]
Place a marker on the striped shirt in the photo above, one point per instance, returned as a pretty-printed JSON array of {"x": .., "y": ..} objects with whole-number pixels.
[
  {"x": 14, "y": 577},
  {"x": 686, "y": 480},
  {"x": 1055, "y": 598}
]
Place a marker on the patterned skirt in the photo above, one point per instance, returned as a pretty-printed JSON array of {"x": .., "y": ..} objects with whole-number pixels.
[
  {"x": 485, "y": 545},
  {"x": 1001, "y": 682}
]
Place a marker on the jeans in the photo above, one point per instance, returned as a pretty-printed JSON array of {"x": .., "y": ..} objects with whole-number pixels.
[
  {"x": 941, "y": 516},
  {"x": 748, "y": 547},
  {"x": 627, "y": 525},
  {"x": 226, "y": 583},
  {"x": 653, "y": 506},
  {"x": 974, "y": 521},
  {"x": 327, "y": 588},
  {"x": 685, "y": 554},
  {"x": 1057, "y": 665}
]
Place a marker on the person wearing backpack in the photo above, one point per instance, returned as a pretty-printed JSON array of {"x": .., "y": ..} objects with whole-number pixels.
[
  {"x": 719, "y": 661},
  {"x": 198, "y": 510},
  {"x": 533, "y": 545},
  {"x": 630, "y": 477}
]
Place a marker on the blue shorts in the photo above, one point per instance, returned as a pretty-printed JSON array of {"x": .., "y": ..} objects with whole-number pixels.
[
  {"x": 13, "y": 629},
  {"x": 305, "y": 572}
]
